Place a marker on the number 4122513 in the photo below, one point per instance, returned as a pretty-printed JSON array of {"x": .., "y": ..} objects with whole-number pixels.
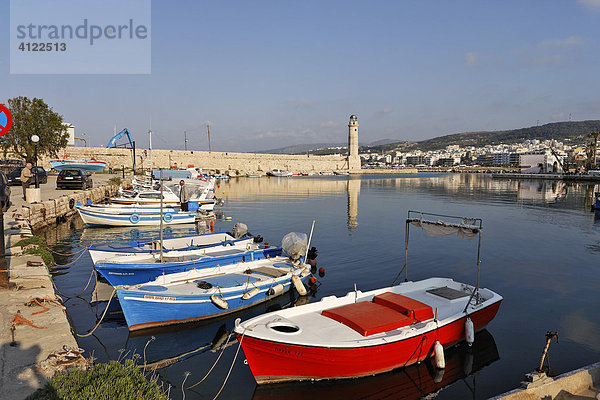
[{"x": 34, "y": 46}]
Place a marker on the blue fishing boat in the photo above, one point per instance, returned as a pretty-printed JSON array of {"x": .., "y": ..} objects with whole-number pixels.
[
  {"x": 120, "y": 252},
  {"x": 138, "y": 270},
  {"x": 210, "y": 292},
  {"x": 89, "y": 165}
]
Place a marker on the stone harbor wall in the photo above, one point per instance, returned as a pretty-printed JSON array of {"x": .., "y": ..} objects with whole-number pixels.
[{"x": 224, "y": 162}]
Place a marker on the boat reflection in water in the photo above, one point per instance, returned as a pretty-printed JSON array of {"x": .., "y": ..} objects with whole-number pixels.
[
  {"x": 411, "y": 382},
  {"x": 165, "y": 346}
]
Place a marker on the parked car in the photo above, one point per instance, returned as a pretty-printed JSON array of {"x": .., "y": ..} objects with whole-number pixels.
[
  {"x": 74, "y": 178},
  {"x": 4, "y": 192},
  {"x": 14, "y": 176}
]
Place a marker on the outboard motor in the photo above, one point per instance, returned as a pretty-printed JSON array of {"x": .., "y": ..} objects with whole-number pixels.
[
  {"x": 311, "y": 259},
  {"x": 294, "y": 245},
  {"x": 258, "y": 239},
  {"x": 239, "y": 230}
]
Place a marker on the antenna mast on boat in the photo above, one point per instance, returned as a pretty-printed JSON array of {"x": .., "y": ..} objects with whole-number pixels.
[
  {"x": 464, "y": 227},
  {"x": 161, "y": 216}
]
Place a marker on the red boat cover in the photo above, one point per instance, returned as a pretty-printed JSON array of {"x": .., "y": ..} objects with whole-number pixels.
[
  {"x": 388, "y": 311},
  {"x": 410, "y": 307},
  {"x": 368, "y": 318}
]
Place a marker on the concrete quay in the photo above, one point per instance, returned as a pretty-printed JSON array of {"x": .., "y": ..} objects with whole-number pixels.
[
  {"x": 36, "y": 340},
  {"x": 550, "y": 177},
  {"x": 583, "y": 383},
  {"x": 56, "y": 204}
]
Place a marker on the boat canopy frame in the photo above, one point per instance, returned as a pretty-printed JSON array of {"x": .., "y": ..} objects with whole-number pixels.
[{"x": 463, "y": 226}]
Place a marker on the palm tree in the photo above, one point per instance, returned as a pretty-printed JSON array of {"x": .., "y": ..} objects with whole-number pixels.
[{"x": 594, "y": 136}]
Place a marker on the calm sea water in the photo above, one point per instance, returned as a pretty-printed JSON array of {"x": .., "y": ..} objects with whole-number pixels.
[{"x": 540, "y": 251}]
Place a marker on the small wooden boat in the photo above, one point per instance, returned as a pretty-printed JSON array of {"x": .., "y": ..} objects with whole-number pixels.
[
  {"x": 119, "y": 252},
  {"x": 279, "y": 173},
  {"x": 131, "y": 217},
  {"x": 146, "y": 267},
  {"x": 207, "y": 293},
  {"x": 363, "y": 334}
]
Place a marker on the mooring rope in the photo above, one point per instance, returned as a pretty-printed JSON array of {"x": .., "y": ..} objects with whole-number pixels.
[
  {"x": 69, "y": 254},
  {"x": 232, "y": 364},
  {"x": 101, "y": 318},
  {"x": 213, "y": 366},
  {"x": 72, "y": 262},
  {"x": 77, "y": 295}
]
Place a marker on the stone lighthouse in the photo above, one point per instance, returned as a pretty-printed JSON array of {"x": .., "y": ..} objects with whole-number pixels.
[{"x": 353, "y": 158}]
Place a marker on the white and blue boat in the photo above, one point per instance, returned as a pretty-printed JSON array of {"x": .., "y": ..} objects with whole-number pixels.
[
  {"x": 201, "y": 294},
  {"x": 140, "y": 270},
  {"x": 95, "y": 216},
  {"x": 121, "y": 252}
]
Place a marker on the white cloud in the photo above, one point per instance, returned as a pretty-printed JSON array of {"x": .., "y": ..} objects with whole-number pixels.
[
  {"x": 384, "y": 111},
  {"x": 328, "y": 124},
  {"x": 471, "y": 59},
  {"x": 300, "y": 103},
  {"x": 563, "y": 43},
  {"x": 590, "y": 3},
  {"x": 546, "y": 60}
]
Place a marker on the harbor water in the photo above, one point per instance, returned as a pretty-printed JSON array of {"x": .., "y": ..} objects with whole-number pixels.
[{"x": 540, "y": 251}]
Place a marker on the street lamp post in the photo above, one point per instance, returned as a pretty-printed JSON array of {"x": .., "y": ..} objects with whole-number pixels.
[{"x": 35, "y": 139}]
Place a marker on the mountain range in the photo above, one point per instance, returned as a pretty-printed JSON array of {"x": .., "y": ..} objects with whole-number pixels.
[{"x": 571, "y": 131}]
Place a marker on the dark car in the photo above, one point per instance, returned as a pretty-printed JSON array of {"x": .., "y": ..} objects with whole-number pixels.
[
  {"x": 14, "y": 176},
  {"x": 4, "y": 192},
  {"x": 74, "y": 178}
]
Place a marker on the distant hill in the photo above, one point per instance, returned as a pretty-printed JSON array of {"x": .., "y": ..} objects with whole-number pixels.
[
  {"x": 300, "y": 148},
  {"x": 315, "y": 148},
  {"x": 575, "y": 131}
]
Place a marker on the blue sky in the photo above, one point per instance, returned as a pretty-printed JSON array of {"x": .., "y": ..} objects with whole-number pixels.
[{"x": 273, "y": 73}]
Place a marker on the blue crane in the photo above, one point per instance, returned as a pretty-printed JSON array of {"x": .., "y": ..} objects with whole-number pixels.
[{"x": 113, "y": 141}]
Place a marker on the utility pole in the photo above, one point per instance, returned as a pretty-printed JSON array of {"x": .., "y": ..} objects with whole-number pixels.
[
  {"x": 208, "y": 129},
  {"x": 185, "y": 140}
]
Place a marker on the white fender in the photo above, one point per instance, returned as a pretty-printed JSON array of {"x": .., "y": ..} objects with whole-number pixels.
[
  {"x": 299, "y": 285},
  {"x": 219, "y": 302},
  {"x": 469, "y": 332},
  {"x": 305, "y": 272},
  {"x": 250, "y": 293},
  {"x": 275, "y": 290},
  {"x": 439, "y": 355}
]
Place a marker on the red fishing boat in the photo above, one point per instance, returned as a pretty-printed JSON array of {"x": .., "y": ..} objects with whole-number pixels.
[{"x": 366, "y": 333}]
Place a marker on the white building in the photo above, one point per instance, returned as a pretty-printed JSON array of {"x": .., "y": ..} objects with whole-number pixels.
[
  {"x": 539, "y": 163},
  {"x": 71, "y": 132}
]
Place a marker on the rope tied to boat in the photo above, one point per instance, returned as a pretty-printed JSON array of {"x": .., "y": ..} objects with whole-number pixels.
[
  {"x": 72, "y": 262},
  {"x": 70, "y": 254},
  {"x": 232, "y": 364},
  {"x": 93, "y": 273},
  {"x": 101, "y": 318},
  {"x": 214, "y": 365}
]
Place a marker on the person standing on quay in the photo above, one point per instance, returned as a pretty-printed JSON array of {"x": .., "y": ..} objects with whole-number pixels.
[
  {"x": 26, "y": 178},
  {"x": 183, "y": 196}
]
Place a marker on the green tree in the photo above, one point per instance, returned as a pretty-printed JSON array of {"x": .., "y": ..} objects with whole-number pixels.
[{"x": 34, "y": 117}]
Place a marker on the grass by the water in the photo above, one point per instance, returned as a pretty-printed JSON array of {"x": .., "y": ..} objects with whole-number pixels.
[{"x": 114, "y": 380}]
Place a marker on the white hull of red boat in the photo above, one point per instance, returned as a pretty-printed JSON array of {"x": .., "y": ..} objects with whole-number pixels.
[{"x": 363, "y": 334}]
